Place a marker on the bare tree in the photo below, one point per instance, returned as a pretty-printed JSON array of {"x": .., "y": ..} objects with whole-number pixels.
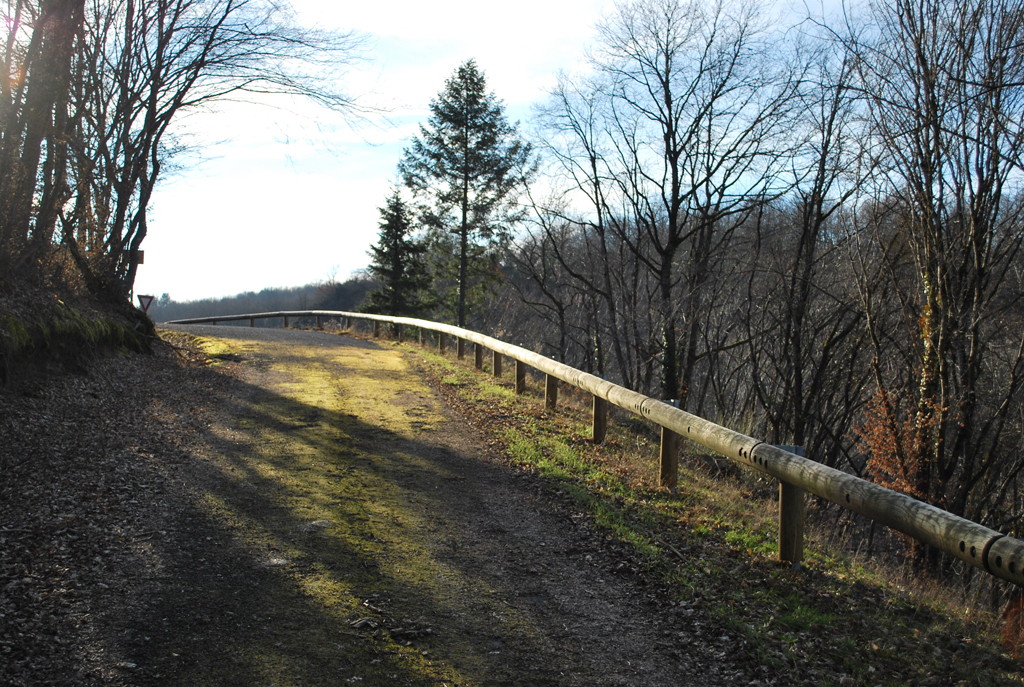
[
  {"x": 120, "y": 73},
  {"x": 575, "y": 141},
  {"x": 802, "y": 311},
  {"x": 694, "y": 107},
  {"x": 34, "y": 122},
  {"x": 945, "y": 82}
]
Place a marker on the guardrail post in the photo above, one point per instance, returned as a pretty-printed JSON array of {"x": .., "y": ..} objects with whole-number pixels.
[
  {"x": 214, "y": 323},
  {"x": 792, "y": 500},
  {"x": 461, "y": 348},
  {"x": 600, "y": 419},
  {"x": 669, "y": 458},
  {"x": 423, "y": 336},
  {"x": 286, "y": 322},
  {"x": 252, "y": 321},
  {"x": 496, "y": 363},
  {"x": 791, "y": 523},
  {"x": 398, "y": 332},
  {"x": 550, "y": 392},
  {"x": 520, "y": 378},
  {"x": 376, "y": 329},
  {"x": 478, "y": 355},
  {"x": 319, "y": 322},
  {"x": 441, "y": 342}
]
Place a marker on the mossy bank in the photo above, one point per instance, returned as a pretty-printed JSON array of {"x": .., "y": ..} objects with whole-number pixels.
[{"x": 44, "y": 332}]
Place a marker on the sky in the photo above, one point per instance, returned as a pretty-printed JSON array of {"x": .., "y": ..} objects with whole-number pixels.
[{"x": 286, "y": 195}]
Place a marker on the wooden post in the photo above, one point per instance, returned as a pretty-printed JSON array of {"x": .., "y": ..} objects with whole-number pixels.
[
  {"x": 376, "y": 329},
  {"x": 791, "y": 523},
  {"x": 550, "y": 392},
  {"x": 286, "y": 322},
  {"x": 600, "y": 419},
  {"x": 398, "y": 332},
  {"x": 252, "y": 321},
  {"x": 423, "y": 336},
  {"x": 520, "y": 378},
  {"x": 214, "y": 323},
  {"x": 461, "y": 348},
  {"x": 319, "y": 322},
  {"x": 669, "y": 458},
  {"x": 496, "y": 363},
  {"x": 441, "y": 342},
  {"x": 478, "y": 355}
]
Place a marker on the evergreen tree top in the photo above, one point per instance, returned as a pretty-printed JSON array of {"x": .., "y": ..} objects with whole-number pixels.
[{"x": 467, "y": 140}]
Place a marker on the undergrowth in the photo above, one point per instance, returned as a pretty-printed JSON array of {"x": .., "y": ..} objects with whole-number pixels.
[{"x": 711, "y": 542}]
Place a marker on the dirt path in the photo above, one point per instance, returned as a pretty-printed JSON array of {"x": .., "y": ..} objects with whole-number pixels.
[
  {"x": 422, "y": 535},
  {"x": 332, "y": 522}
]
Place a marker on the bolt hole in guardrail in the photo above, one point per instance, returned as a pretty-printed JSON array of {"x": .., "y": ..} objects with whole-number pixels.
[{"x": 968, "y": 541}]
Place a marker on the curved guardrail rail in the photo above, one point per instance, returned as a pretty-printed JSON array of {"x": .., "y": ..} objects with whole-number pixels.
[{"x": 994, "y": 552}]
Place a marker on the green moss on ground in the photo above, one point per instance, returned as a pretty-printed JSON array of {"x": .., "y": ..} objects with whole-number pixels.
[{"x": 315, "y": 481}]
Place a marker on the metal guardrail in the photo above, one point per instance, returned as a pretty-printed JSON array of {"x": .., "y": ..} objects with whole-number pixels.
[{"x": 996, "y": 553}]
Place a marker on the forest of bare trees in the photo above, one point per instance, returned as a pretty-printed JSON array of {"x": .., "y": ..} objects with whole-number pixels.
[{"x": 810, "y": 231}]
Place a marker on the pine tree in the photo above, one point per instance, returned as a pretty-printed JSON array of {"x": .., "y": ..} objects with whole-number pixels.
[
  {"x": 465, "y": 167},
  {"x": 397, "y": 263}
]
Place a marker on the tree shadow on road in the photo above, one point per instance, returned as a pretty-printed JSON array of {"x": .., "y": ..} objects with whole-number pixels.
[{"x": 318, "y": 548}]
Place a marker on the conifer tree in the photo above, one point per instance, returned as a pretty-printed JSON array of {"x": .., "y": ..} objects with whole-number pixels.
[
  {"x": 397, "y": 263},
  {"x": 465, "y": 167}
]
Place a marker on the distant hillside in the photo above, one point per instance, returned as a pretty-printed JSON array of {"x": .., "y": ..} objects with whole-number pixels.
[{"x": 346, "y": 295}]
